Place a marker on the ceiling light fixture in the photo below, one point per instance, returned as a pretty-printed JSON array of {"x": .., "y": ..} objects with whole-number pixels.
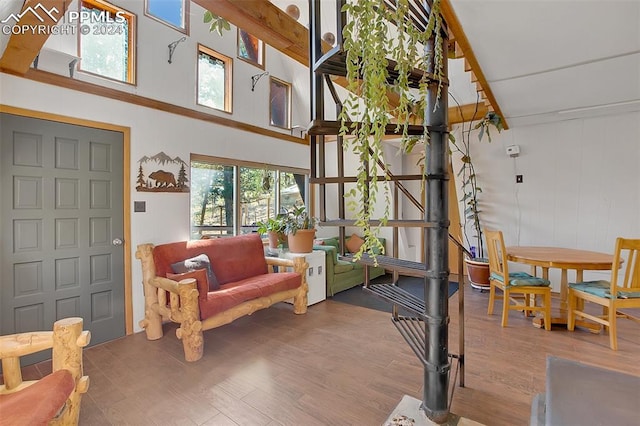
[{"x": 603, "y": 106}]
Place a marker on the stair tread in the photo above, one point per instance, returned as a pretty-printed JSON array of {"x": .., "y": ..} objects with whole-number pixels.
[
  {"x": 414, "y": 333},
  {"x": 332, "y": 127},
  {"x": 396, "y": 295},
  {"x": 334, "y": 63},
  {"x": 395, "y": 264}
]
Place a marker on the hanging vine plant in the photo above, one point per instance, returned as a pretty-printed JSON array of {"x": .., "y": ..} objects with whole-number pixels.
[{"x": 373, "y": 36}]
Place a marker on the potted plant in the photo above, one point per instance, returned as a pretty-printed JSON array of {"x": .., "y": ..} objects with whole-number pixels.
[
  {"x": 477, "y": 264},
  {"x": 273, "y": 228},
  {"x": 300, "y": 229}
]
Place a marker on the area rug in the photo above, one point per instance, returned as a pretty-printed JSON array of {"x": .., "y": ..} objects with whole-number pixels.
[{"x": 359, "y": 297}]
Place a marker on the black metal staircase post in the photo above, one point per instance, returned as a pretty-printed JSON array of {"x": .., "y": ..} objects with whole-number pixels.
[
  {"x": 436, "y": 371},
  {"x": 317, "y": 101}
]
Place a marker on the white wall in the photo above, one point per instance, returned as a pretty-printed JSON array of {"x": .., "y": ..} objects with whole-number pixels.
[
  {"x": 167, "y": 214},
  {"x": 581, "y": 186}
]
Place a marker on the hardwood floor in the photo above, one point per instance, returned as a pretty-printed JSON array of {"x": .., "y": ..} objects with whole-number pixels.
[{"x": 336, "y": 365}]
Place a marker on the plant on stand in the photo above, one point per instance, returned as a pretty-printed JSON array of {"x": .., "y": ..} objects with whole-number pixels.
[
  {"x": 300, "y": 228},
  {"x": 273, "y": 228},
  {"x": 477, "y": 265}
]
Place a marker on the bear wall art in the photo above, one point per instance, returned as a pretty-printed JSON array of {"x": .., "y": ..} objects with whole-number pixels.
[{"x": 161, "y": 173}]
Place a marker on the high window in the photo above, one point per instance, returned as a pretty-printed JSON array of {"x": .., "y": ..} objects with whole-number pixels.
[
  {"x": 279, "y": 103},
  {"x": 174, "y": 13},
  {"x": 228, "y": 197},
  {"x": 107, "y": 41},
  {"x": 214, "y": 79}
]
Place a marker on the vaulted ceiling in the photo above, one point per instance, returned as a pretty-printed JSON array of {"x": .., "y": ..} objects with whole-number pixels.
[
  {"x": 556, "y": 59},
  {"x": 534, "y": 61}
]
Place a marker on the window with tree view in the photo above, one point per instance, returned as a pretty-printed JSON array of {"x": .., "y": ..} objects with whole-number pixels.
[
  {"x": 225, "y": 193},
  {"x": 108, "y": 50},
  {"x": 214, "y": 79}
]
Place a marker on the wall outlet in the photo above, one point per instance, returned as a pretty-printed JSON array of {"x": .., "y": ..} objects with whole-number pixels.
[{"x": 518, "y": 178}]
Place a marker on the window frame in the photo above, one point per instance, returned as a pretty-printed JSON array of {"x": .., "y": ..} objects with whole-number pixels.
[
  {"x": 131, "y": 41},
  {"x": 185, "y": 17},
  {"x": 261, "y": 50},
  {"x": 287, "y": 124},
  {"x": 237, "y": 165},
  {"x": 228, "y": 77}
]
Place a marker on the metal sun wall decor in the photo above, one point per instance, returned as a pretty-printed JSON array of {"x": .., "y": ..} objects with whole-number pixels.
[{"x": 161, "y": 173}]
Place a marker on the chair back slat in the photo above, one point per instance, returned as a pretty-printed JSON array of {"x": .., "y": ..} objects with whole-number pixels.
[
  {"x": 627, "y": 256},
  {"x": 497, "y": 253}
]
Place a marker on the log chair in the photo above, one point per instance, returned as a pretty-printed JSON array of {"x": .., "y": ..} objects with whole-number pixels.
[{"x": 54, "y": 399}]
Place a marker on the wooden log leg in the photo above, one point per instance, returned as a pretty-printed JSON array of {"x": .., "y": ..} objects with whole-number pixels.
[
  {"x": 190, "y": 331},
  {"x": 11, "y": 373},
  {"x": 192, "y": 340},
  {"x": 300, "y": 300},
  {"x": 68, "y": 341},
  {"x": 152, "y": 322}
]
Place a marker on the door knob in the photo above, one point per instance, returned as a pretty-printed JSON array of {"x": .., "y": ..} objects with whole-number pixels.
[{"x": 117, "y": 242}]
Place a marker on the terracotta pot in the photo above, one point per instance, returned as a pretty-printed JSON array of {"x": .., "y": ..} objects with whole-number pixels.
[
  {"x": 275, "y": 239},
  {"x": 478, "y": 272},
  {"x": 302, "y": 241}
]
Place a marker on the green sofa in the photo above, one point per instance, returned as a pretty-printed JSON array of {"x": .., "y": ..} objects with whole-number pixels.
[{"x": 342, "y": 274}]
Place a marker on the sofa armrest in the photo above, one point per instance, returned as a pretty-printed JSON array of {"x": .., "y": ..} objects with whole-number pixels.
[
  {"x": 278, "y": 261},
  {"x": 298, "y": 265}
]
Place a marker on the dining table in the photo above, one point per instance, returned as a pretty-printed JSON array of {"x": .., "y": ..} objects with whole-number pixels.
[{"x": 565, "y": 259}]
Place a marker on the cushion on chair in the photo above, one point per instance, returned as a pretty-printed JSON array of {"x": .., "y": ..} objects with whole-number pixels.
[
  {"x": 522, "y": 279},
  {"x": 197, "y": 262},
  {"x": 353, "y": 243},
  {"x": 602, "y": 288},
  {"x": 343, "y": 266},
  {"x": 38, "y": 403}
]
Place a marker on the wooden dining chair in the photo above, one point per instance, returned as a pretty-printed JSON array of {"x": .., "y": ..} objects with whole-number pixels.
[
  {"x": 514, "y": 284},
  {"x": 611, "y": 295}
]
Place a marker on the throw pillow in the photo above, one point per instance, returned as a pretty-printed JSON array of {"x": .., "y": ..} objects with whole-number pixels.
[
  {"x": 199, "y": 262},
  {"x": 202, "y": 280},
  {"x": 354, "y": 243}
]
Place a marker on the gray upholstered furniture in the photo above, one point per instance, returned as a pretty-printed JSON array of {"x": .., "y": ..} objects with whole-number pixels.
[{"x": 581, "y": 394}]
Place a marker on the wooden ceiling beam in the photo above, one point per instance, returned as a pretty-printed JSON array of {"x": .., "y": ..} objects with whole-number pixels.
[
  {"x": 266, "y": 21},
  {"x": 273, "y": 26},
  {"x": 467, "y": 113},
  {"x": 23, "y": 47},
  {"x": 471, "y": 62}
]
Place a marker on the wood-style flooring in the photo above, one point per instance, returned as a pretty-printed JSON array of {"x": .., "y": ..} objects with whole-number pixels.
[{"x": 337, "y": 365}]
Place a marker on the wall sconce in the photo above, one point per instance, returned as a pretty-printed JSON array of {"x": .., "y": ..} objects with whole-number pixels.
[
  {"x": 255, "y": 78},
  {"x": 172, "y": 46}
]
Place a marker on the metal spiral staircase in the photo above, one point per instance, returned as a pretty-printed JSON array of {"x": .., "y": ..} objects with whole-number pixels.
[{"x": 426, "y": 329}]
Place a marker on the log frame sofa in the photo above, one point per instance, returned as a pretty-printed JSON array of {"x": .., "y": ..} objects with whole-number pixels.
[{"x": 246, "y": 284}]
